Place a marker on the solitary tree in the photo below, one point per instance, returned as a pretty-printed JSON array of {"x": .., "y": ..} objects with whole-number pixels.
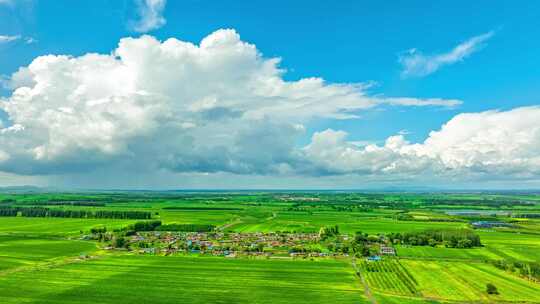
[{"x": 491, "y": 289}]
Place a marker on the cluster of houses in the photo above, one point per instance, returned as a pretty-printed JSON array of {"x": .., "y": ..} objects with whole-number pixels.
[
  {"x": 490, "y": 224},
  {"x": 387, "y": 250},
  {"x": 238, "y": 244},
  {"x": 226, "y": 244},
  {"x": 289, "y": 198}
]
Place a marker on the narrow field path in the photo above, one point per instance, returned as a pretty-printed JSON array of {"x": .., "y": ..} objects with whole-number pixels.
[
  {"x": 367, "y": 291},
  {"x": 273, "y": 216},
  {"x": 54, "y": 263},
  {"x": 228, "y": 225}
]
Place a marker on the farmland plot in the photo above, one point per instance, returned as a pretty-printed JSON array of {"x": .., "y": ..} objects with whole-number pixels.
[{"x": 154, "y": 279}]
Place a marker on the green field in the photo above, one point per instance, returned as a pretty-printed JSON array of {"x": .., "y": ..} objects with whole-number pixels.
[
  {"x": 135, "y": 279},
  {"x": 23, "y": 251},
  {"x": 51, "y": 260},
  {"x": 54, "y": 226},
  {"x": 513, "y": 245},
  {"x": 348, "y": 222},
  {"x": 454, "y": 281},
  {"x": 466, "y": 281},
  {"x": 441, "y": 253}
]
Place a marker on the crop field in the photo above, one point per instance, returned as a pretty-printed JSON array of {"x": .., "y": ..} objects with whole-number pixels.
[
  {"x": 349, "y": 222},
  {"x": 54, "y": 226},
  {"x": 456, "y": 281},
  {"x": 269, "y": 248},
  {"x": 22, "y": 251},
  {"x": 466, "y": 281},
  {"x": 441, "y": 253},
  {"x": 390, "y": 276},
  {"x": 135, "y": 279},
  {"x": 513, "y": 245}
]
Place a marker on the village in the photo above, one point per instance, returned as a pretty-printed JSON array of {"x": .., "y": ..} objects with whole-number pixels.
[
  {"x": 231, "y": 245},
  {"x": 227, "y": 244}
]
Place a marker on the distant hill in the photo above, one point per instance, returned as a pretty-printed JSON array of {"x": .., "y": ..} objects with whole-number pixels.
[{"x": 26, "y": 188}]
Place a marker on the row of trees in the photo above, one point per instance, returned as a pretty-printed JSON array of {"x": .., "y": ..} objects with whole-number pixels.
[
  {"x": 408, "y": 217},
  {"x": 46, "y": 212},
  {"x": 327, "y": 206},
  {"x": 359, "y": 246},
  {"x": 122, "y": 214},
  {"x": 528, "y": 270},
  {"x": 187, "y": 227},
  {"x": 328, "y": 232},
  {"x": 64, "y": 203},
  {"x": 144, "y": 226},
  {"x": 7, "y": 211},
  {"x": 118, "y": 236},
  {"x": 459, "y": 238},
  {"x": 527, "y": 215}
]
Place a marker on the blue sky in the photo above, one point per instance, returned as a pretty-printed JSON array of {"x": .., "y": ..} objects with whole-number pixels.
[
  {"x": 349, "y": 41},
  {"x": 343, "y": 42}
]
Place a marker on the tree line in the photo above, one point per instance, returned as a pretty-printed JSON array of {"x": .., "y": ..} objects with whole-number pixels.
[
  {"x": 187, "y": 227},
  {"x": 529, "y": 270},
  {"x": 46, "y": 212},
  {"x": 64, "y": 203},
  {"x": 403, "y": 216},
  {"x": 144, "y": 226},
  {"x": 526, "y": 215},
  {"x": 458, "y": 238},
  {"x": 328, "y": 232},
  {"x": 8, "y": 211}
]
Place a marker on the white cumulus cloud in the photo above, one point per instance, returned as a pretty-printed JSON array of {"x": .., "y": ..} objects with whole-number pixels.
[
  {"x": 4, "y": 39},
  {"x": 221, "y": 106},
  {"x": 417, "y": 64},
  {"x": 502, "y": 144},
  {"x": 150, "y": 13},
  {"x": 8, "y": 38}
]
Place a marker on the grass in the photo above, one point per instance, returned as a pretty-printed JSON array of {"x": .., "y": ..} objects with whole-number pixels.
[
  {"x": 466, "y": 281},
  {"x": 442, "y": 253},
  {"x": 37, "y": 262},
  {"x": 16, "y": 251},
  {"x": 389, "y": 276},
  {"x": 54, "y": 226},
  {"x": 440, "y": 281},
  {"x": 349, "y": 222},
  {"x": 397, "y": 299},
  {"x": 513, "y": 246},
  {"x": 149, "y": 279}
]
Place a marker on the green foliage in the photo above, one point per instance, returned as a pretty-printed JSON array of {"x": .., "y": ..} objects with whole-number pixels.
[
  {"x": 187, "y": 227},
  {"x": 8, "y": 211},
  {"x": 529, "y": 270},
  {"x": 144, "y": 226},
  {"x": 110, "y": 214},
  {"x": 491, "y": 289},
  {"x": 328, "y": 232},
  {"x": 100, "y": 229},
  {"x": 119, "y": 242},
  {"x": 195, "y": 208},
  {"x": 63, "y": 203},
  {"x": 458, "y": 238}
]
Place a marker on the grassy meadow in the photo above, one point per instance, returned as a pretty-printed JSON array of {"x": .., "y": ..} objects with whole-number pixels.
[
  {"x": 47, "y": 259},
  {"x": 144, "y": 279}
]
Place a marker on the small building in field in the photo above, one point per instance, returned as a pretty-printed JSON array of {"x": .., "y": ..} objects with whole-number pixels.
[
  {"x": 374, "y": 258},
  {"x": 490, "y": 224},
  {"x": 385, "y": 250}
]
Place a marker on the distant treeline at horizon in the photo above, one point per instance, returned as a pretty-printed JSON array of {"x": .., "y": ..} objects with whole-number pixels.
[{"x": 47, "y": 212}]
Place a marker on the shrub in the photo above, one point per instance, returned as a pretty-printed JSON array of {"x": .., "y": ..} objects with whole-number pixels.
[{"x": 491, "y": 289}]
